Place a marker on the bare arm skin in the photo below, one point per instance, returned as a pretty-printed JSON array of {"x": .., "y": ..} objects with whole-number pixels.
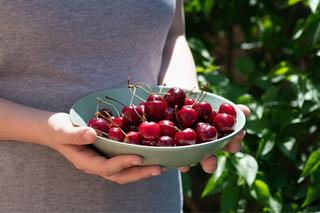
[
  {"x": 178, "y": 69},
  {"x": 55, "y": 130}
]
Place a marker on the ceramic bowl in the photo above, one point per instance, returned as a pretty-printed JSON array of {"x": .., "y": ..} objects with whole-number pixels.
[{"x": 85, "y": 108}]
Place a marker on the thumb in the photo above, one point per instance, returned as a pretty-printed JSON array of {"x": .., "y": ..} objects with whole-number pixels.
[{"x": 80, "y": 135}]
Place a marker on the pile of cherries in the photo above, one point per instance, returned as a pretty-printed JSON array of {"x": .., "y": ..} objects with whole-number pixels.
[{"x": 169, "y": 119}]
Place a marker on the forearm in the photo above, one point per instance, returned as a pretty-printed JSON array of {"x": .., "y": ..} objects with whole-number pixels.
[
  {"x": 178, "y": 67},
  {"x": 22, "y": 123}
]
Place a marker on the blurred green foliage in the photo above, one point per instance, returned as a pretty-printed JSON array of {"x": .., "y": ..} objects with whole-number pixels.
[{"x": 264, "y": 54}]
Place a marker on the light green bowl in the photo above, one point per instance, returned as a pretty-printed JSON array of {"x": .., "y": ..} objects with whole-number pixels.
[{"x": 85, "y": 108}]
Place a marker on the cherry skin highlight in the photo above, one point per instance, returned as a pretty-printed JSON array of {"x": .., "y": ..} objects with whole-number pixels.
[
  {"x": 149, "y": 131},
  {"x": 175, "y": 96},
  {"x": 99, "y": 124},
  {"x": 227, "y": 108},
  {"x": 185, "y": 137}
]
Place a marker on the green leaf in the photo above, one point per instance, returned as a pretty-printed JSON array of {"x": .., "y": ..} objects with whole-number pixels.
[
  {"x": 246, "y": 166},
  {"x": 312, "y": 163},
  {"x": 186, "y": 183},
  {"x": 260, "y": 191},
  {"x": 217, "y": 180},
  {"x": 288, "y": 147},
  {"x": 207, "y": 7},
  {"x": 266, "y": 143},
  {"x": 314, "y": 4},
  {"x": 229, "y": 197},
  {"x": 313, "y": 192},
  {"x": 245, "y": 65},
  {"x": 275, "y": 204},
  {"x": 293, "y": 2}
]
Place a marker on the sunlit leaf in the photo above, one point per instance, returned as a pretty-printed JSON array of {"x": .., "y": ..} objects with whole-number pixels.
[
  {"x": 247, "y": 167},
  {"x": 266, "y": 143},
  {"x": 260, "y": 191},
  {"x": 312, "y": 163}
]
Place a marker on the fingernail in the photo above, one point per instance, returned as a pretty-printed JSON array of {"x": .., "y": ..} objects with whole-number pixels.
[
  {"x": 136, "y": 162},
  {"x": 88, "y": 136},
  {"x": 155, "y": 173}
]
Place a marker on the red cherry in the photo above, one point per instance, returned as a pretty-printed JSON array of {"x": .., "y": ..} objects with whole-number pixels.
[
  {"x": 224, "y": 122},
  {"x": 187, "y": 116},
  {"x": 175, "y": 96},
  {"x": 115, "y": 133},
  {"x": 132, "y": 114},
  {"x": 118, "y": 122},
  {"x": 148, "y": 142},
  {"x": 170, "y": 115},
  {"x": 204, "y": 109},
  {"x": 189, "y": 101},
  {"x": 132, "y": 137},
  {"x": 186, "y": 137},
  {"x": 155, "y": 110},
  {"x": 213, "y": 114},
  {"x": 99, "y": 124},
  {"x": 149, "y": 130},
  {"x": 156, "y": 97},
  {"x": 167, "y": 128},
  {"x": 142, "y": 106},
  {"x": 205, "y": 132},
  {"x": 165, "y": 141},
  {"x": 227, "y": 108},
  {"x": 105, "y": 113}
]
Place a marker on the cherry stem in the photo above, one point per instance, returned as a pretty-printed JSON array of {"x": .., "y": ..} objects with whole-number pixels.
[
  {"x": 175, "y": 113},
  {"x": 134, "y": 94},
  {"x": 175, "y": 127},
  {"x": 99, "y": 100},
  {"x": 146, "y": 85},
  {"x": 100, "y": 133},
  {"x": 161, "y": 87},
  {"x": 113, "y": 99},
  {"x": 131, "y": 100}
]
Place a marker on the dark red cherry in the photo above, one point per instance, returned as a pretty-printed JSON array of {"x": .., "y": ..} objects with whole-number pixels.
[
  {"x": 204, "y": 110},
  {"x": 149, "y": 130},
  {"x": 148, "y": 142},
  {"x": 175, "y": 96},
  {"x": 156, "y": 97},
  {"x": 189, "y": 101},
  {"x": 185, "y": 137},
  {"x": 105, "y": 113},
  {"x": 170, "y": 114},
  {"x": 117, "y": 122},
  {"x": 165, "y": 141},
  {"x": 187, "y": 116},
  {"x": 205, "y": 132},
  {"x": 99, "y": 124},
  {"x": 132, "y": 114},
  {"x": 213, "y": 115},
  {"x": 227, "y": 108},
  {"x": 224, "y": 122},
  {"x": 115, "y": 133},
  {"x": 133, "y": 137},
  {"x": 155, "y": 110},
  {"x": 167, "y": 128},
  {"x": 142, "y": 106}
]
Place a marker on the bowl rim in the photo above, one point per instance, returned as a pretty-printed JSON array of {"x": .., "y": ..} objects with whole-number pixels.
[{"x": 240, "y": 114}]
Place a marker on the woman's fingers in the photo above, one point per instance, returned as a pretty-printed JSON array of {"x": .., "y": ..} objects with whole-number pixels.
[
  {"x": 120, "y": 169},
  {"x": 209, "y": 165},
  {"x": 133, "y": 174},
  {"x": 245, "y": 110}
]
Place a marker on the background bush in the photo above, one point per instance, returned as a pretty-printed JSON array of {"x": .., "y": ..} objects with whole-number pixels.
[{"x": 265, "y": 54}]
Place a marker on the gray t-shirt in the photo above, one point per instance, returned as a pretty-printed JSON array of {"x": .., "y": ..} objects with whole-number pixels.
[{"x": 55, "y": 52}]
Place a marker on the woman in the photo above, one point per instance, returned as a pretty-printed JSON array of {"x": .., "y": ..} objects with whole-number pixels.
[{"x": 55, "y": 52}]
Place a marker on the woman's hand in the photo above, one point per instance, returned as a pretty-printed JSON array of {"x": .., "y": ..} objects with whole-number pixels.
[
  {"x": 209, "y": 164},
  {"x": 70, "y": 141}
]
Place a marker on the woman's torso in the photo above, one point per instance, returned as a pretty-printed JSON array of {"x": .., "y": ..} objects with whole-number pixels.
[{"x": 55, "y": 52}]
